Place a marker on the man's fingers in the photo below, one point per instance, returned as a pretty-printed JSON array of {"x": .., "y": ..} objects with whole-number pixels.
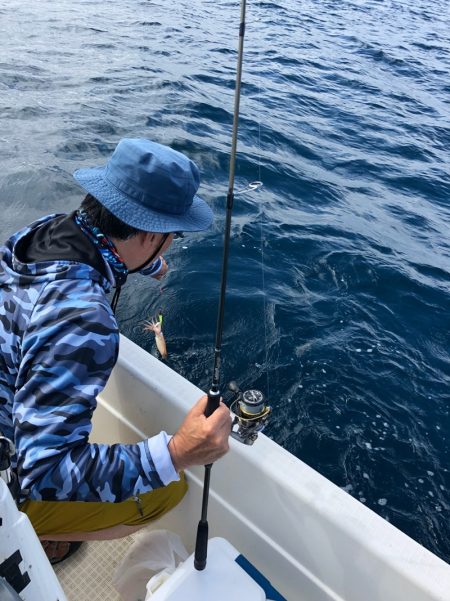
[
  {"x": 221, "y": 417},
  {"x": 200, "y": 406},
  {"x": 217, "y": 419}
]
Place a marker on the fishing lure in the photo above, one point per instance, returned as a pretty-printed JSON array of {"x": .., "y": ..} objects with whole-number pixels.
[{"x": 155, "y": 326}]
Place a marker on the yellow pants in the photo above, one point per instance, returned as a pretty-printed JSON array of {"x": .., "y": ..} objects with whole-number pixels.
[{"x": 64, "y": 517}]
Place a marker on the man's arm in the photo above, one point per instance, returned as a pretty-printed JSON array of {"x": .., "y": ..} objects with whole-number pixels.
[{"x": 68, "y": 352}]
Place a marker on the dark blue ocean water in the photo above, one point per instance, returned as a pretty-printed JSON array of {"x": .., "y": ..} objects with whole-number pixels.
[{"x": 339, "y": 281}]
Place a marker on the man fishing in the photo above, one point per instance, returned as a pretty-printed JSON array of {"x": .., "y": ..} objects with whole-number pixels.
[{"x": 59, "y": 341}]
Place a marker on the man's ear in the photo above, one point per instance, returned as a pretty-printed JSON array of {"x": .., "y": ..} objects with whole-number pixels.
[{"x": 146, "y": 237}]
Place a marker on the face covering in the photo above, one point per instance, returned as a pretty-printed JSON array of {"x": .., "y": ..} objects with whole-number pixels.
[
  {"x": 152, "y": 269},
  {"x": 152, "y": 266}
]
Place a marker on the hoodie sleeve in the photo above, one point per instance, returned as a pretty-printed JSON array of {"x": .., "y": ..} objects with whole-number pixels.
[{"x": 68, "y": 352}]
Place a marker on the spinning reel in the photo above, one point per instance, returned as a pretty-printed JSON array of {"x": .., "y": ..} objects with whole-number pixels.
[{"x": 251, "y": 413}]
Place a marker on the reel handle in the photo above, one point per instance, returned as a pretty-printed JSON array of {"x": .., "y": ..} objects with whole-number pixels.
[{"x": 213, "y": 402}]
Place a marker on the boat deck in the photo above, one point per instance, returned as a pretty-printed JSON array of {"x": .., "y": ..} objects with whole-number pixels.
[{"x": 87, "y": 576}]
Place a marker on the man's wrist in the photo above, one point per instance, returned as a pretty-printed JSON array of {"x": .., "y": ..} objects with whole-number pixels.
[
  {"x": 172, "y": 447},
  {"x": 157, "y": 450}
]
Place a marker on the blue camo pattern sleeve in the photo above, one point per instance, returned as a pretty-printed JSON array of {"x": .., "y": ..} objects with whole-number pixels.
[{"x": 68, "y": 351}]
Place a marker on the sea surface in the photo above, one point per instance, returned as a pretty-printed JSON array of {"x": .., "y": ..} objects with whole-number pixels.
[{"x": 338, "y": 296}]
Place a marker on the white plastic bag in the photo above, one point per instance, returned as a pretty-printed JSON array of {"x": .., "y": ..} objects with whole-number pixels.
[{"x": 154, "y": 551}]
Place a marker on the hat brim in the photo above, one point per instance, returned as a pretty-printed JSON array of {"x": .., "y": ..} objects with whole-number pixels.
[{"x": 198, "y": 217}]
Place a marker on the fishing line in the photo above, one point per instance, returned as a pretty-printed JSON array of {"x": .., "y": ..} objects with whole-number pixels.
[
  {"x": 249, "y": 188},
  {"x": 263, "y": 278},
  {"x": 261, "y": 220}
]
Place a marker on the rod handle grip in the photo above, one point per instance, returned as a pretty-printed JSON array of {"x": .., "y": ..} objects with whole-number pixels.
[
  {"x": 213, "y": 402},
  {"x": 201, "y": 545}
]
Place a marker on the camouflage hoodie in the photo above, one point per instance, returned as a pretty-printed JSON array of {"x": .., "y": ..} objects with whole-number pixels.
[{"x": 59, "y": 341}]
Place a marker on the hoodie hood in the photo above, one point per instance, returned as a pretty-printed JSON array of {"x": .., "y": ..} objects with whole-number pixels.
[{"x": 49, "y": 249}]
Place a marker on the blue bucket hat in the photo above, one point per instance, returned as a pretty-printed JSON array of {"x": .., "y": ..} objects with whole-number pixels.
[{"x": 150, "y": 187}]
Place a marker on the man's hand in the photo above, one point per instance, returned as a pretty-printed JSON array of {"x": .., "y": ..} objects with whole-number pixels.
[{"x": 201, "y": 440}]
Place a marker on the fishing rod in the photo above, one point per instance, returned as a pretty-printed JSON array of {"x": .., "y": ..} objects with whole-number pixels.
[{"x": 249, "y": 407}]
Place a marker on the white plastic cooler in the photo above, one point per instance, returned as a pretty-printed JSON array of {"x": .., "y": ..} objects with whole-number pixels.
[{"x": 223, "y": 579}]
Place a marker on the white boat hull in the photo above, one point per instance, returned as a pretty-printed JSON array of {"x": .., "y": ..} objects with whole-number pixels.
[{"x": 312, "y": 540}]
